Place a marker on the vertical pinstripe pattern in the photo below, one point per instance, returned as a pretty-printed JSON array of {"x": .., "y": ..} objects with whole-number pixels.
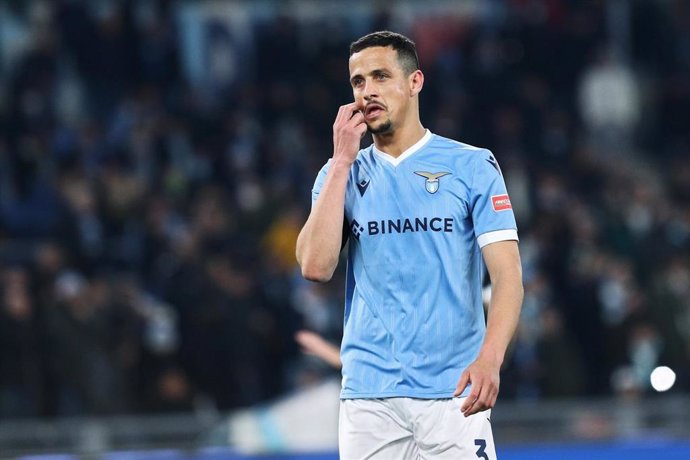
[{"x": 413, "y": 316}]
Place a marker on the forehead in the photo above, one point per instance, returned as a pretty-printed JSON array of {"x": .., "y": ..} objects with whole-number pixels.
[{"x": 373, "y": 58}]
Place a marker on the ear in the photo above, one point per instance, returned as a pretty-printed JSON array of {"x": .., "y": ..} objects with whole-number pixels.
[{"x": 416, "y": 80}]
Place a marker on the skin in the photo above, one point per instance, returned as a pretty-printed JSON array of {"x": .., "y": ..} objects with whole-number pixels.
[
  {"x": 503, "y": 263},
  {"x": 388, "y": 98},
  {"x": 313, "y": 344},
  {"x": 386, "y": 103}
]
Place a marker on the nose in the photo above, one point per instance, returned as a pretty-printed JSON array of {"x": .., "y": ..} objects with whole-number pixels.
[{"x": 369, "y": 90}]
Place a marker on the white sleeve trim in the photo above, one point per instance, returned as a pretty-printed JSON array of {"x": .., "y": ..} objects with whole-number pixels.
[{"x": 498, "y": 235}]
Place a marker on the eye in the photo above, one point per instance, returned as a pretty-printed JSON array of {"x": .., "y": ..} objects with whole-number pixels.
[
  {"x": 381, "y": 76},
  {"x": 357, "y": 82}
]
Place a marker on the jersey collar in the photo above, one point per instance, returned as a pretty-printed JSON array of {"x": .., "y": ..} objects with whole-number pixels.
[{"x": 407, "y": 153}]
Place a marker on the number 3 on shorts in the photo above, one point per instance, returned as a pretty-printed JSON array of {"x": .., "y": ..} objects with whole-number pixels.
[{"x": 482, "y": 447}]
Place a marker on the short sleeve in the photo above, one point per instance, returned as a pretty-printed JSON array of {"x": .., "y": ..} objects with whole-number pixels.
[
  {"x": 492, "y": 212},
  {"x": 318, "y": 183}
]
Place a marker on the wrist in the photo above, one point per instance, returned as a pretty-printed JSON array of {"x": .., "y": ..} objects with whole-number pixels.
[
  {"x": 490, "y": 355},
  {"x": 340, "y": 163}
]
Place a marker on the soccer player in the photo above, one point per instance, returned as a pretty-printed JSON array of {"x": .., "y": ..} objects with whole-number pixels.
[{"x": 423, "y": 214}]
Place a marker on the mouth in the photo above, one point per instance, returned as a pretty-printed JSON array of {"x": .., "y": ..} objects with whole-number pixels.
[{"x": 372, "y": 111}]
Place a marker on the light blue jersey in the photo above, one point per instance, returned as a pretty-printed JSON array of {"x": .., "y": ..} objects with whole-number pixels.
[{"x": 413, "y": 309}]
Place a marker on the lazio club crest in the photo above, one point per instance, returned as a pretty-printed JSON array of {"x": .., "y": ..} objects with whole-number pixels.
[{"x": 432, "y": 180}]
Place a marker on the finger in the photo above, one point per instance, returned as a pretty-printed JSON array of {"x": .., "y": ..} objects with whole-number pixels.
[
  {"x": 473, "y": 408},
  {"x": 345, "y": 112},
  {"x": 357, "y": 112},
  {"x": 474, "y": 402},
  {"x": 361, "y": 129},
  {"x": 469, "y": 405},
  {"x": 485, "y": 400},
  {"x": 357, "y": 118},
  {"x": 340, "y": 117},
  {"x": 489, "y": 395},
  {"x": 492, "y": 399},
  {"x": 472, "y": 397},
  {"x": 462, "y": 384},
  {"x": 358, "y": 124},
  {"x": 351, "y": 108},
  {"x": 357, "y": 107}
]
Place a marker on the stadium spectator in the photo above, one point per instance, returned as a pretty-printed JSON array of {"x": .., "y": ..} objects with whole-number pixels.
[{"x": 130, "y": 168}]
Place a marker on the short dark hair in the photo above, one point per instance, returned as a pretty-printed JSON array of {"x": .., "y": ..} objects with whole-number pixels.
[{"x": 407, "y": 51}]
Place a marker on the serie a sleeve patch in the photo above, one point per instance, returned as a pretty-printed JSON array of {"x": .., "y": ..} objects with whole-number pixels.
[{"x": 501, "y": 202}]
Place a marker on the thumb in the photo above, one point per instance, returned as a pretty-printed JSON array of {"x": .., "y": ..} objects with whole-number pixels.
[{"x": 462, "y": 384}]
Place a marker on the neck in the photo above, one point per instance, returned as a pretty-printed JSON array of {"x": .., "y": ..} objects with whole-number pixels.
[{"x": 396, "y": 142}]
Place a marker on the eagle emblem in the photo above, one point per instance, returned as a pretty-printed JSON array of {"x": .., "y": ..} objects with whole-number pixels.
[{"x": 431, "y": 182}]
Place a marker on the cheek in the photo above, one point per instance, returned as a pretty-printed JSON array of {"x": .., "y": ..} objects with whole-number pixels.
[
  {"x": 402, "y": 93},
  {"x": 398, "y": 98}
]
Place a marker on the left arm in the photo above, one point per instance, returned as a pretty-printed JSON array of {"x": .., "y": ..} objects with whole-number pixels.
[{"x": 503, "y": 263}]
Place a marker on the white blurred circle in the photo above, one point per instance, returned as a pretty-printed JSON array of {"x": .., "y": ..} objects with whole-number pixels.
[{"x": 662, "y": 378}]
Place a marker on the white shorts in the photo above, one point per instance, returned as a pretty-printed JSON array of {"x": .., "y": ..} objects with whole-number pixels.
[{"x": 411, "y": 429}]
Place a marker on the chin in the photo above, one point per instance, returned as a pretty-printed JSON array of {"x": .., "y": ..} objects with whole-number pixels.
[{"x": 385, "y": 127}]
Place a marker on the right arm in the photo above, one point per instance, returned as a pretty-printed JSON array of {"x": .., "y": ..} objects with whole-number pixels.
[{"x": 320, "y": 241}]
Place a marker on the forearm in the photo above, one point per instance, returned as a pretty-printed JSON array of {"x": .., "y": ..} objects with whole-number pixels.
[
  {"x": 320, "y": 241},
  {"x": 504, "y": 314},
  {"x": 316, "y": 345}
]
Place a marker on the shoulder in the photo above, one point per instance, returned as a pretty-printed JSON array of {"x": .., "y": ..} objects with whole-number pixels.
[
  {"x": 457, "y": 148},
  {"x": 365, "y": 153},
  {"x": 324, "y": 169},
  {"x": 459, "y": 151},
  {"x": 366, "y": 158}
]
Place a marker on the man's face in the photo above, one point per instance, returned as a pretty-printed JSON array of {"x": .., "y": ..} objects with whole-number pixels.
[{"x": 380, "y": 87}]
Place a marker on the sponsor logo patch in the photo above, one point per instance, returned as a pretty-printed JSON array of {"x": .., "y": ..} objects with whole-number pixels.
[
  {"x": 501, "y": 202},
  {"x": 356, "y": 229}
]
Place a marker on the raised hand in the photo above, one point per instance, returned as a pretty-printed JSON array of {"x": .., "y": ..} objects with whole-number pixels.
[{"x": 348, "y": 130}]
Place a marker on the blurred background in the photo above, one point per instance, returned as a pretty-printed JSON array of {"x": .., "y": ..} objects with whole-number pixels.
[{"x": 156, "y": 163}]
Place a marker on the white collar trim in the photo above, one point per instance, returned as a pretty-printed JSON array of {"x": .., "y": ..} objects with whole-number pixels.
[{"x": 407, "y": 153}]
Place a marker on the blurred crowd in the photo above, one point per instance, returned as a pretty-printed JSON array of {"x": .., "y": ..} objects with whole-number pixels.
[{"x": 148, "y": 221}]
